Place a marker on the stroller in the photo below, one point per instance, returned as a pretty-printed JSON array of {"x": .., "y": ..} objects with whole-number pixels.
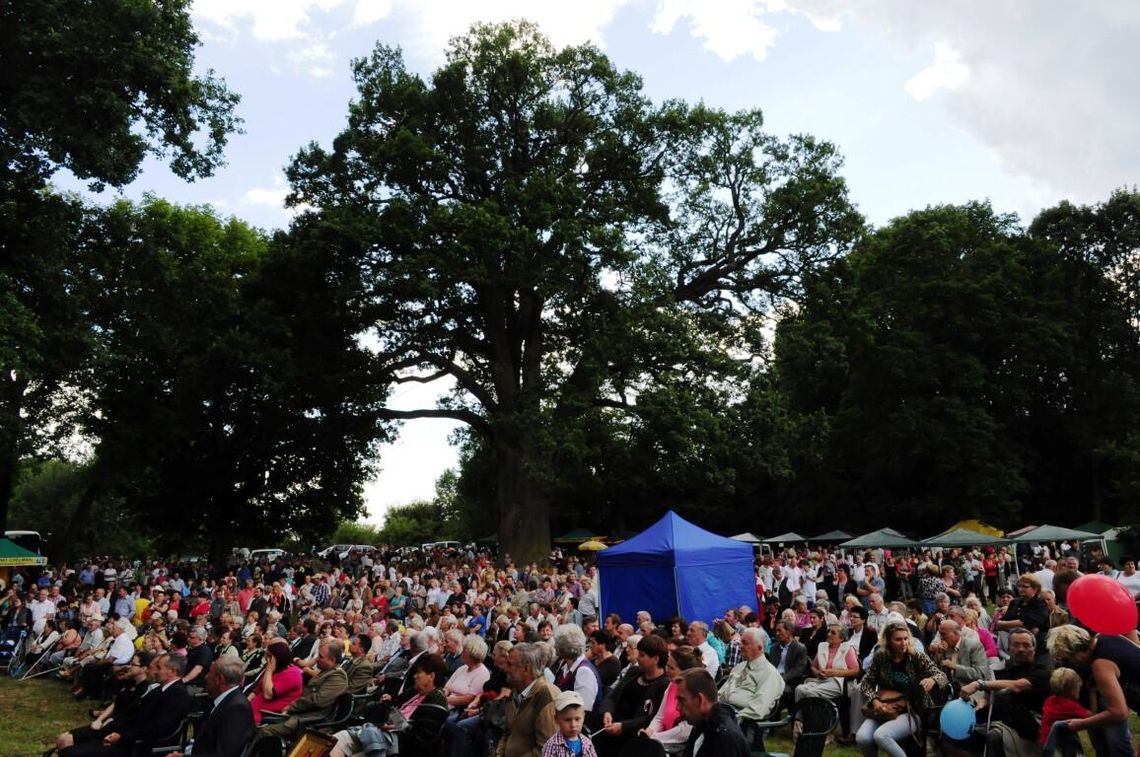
[{"x": 14, "y": 651}]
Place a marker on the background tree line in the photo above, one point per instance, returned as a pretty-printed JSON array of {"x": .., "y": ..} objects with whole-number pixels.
[{"x": 638, "y": 305}]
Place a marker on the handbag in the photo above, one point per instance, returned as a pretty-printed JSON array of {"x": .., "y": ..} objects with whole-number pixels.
[{"x": 886, "y": 705}]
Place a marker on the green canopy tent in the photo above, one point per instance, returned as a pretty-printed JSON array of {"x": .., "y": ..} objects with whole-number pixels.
[
  {"x": 577, "y": 536},
  {"x": 831, "y": 537},
  {"x": 1096, "y": 526},
  {"x": 12, "y": 555},
  {"x": 884, "y": 537},
  {"x": 789, "y": 538},
  {"x": 962, "y": 537},
  {"x": 747, "y": 537},
  {"x": 1048, "y": 533}
]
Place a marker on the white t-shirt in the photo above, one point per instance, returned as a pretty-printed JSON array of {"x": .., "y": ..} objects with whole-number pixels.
[
  {"x": 1045, "y": 576},
  {"x": 1132, "y": 583}
]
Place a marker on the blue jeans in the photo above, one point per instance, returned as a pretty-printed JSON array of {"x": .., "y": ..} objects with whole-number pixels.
[
  {"x": 466, "y": 735},
  {"x": 873, "y": 736},
  {"x": 1112, "y": 741}
]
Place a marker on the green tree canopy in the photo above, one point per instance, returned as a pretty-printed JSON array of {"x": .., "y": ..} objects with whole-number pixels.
[
  {"x": 528, "y": 226},
  {"x": 95, "y": 87}
]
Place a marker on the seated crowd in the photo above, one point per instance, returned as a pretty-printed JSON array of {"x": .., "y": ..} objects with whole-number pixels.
[{"x": 454, "y": 655}]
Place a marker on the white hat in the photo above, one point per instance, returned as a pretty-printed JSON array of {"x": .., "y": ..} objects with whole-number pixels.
[{"x": 568, "y": 699}]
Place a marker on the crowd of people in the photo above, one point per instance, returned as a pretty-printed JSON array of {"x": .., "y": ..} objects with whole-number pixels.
[{"x": 458, "y": 652}]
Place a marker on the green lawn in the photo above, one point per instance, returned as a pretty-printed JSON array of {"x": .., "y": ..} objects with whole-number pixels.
[{"x": 34, "y": 712}]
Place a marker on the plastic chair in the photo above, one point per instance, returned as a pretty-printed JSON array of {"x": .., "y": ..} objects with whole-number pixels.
[
  {"x": 642, "y": 747},
  {"x": 175, "y": 741},
  {"x": 267, "y": 746},
  {"x": 336, "y": 716}
]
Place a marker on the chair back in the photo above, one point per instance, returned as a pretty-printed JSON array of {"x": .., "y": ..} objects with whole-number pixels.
[
  {"x": 642, "y": 747},
  {"x": 817, "y": 717}
]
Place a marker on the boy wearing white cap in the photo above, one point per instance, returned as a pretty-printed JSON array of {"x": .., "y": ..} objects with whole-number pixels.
[{"x": 569, "y": 714}]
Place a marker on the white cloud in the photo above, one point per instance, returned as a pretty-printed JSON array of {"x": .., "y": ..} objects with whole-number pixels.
[
  {"x": 730, "y": 28},
  {"x": 268, "y": 20},
  {"x": 946, "y": 72},
  {"x": 1051, "y": 89},
  {"x": 371, "y": 11},
  {"x": 273, "y": 197}
]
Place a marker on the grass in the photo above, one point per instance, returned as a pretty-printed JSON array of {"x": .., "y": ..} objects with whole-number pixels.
[{"x": 34, "y": 712}]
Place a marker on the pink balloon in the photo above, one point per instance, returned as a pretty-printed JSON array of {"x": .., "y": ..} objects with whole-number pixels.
[{"x": 1102, "y": 604}]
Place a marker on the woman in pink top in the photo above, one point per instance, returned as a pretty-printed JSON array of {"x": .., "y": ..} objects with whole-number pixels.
[
  {"x": 667, "y": 728},
  {"x": 281, "y": 682},
  {"x": 466, "y": 683},
  {"x": 835, "y": 661},
  {"x": 984, "y": 635}
]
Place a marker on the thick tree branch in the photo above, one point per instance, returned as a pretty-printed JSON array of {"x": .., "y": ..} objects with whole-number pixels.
[{"x": 474, "y": 420}]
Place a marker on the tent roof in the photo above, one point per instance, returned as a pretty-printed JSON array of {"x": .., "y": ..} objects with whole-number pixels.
[
  {"x": 1019, "y": 531},
  {"x": 791, "y": 536},
  {"x": 835, "y": 536},
  {"x": 577, "y": 535},
  {"x": 884, "y": 537},
  {"x": 12, "y": 554},
  {"x": 973, "y": 524},
  {"x": 674, "y": 541},
  {"x": 1055, "y": 533},
  {"x": 747, "y": 536},
  {"x": 1096, "y": 526},
  {"x": 961, "y": 537}
]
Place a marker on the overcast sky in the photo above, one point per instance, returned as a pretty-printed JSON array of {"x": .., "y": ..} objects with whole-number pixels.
[{"x": 1025, "y": 103}]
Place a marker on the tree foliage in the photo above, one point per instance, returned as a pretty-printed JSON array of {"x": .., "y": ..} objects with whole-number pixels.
[
  {"x": 94, "y": 87},
  {"x": 530, "y": 227},
  {"x": 959, "y": 362}
]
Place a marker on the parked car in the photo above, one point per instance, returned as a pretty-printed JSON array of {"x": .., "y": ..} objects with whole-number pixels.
[{"x": 258, "y": 555}]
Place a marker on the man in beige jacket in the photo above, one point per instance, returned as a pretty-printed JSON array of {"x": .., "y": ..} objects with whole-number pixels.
[{"x": 530, "y": 714}]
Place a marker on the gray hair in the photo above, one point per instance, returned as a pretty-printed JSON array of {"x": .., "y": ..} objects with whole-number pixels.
[
  {"x": 475, "y": 647},
  {"x": 230, "y": 669},
  {"x": 756, "y": 635},
  {"x": 531, "y": 657},
  {"x": 417, "y": 641},
  {"x": 701, "y": 626},
  {"x": 569, "y": 641},
  {"x": 939, "y": 596},
  {"x": 336, "y": 650},
  {"x": 174, "y": 663},
  {"x": 454, "y": 634}
]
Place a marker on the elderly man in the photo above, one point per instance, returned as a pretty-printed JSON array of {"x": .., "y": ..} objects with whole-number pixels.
[
  {"x": 698, "y": 637},
  {"x": 588, "y": 601},
  {"x": 229, "y": 724},
  {"x": 790, "y": 659},
  {"x": 1016, "y": 697},
  {"x": 530, "y": 716},
  {"x": 963, "y": 657},
  {"x": 876, "y": 612},
  {"x": 715, "y": 731},
  {"x": 754, "y": 686},
  {"x": 319, "y": 693}
]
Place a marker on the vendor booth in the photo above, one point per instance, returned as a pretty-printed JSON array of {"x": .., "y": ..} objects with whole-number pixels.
[{"x": 676, "y": 568}]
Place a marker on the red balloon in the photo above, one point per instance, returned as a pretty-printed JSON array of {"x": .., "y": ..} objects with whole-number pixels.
[{"x": 1102, "y": 604}]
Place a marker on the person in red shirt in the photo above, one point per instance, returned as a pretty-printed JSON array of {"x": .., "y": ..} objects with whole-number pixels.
[
  {"x": 1062, "y": 704},
  {"x": 201, "y": 606}
]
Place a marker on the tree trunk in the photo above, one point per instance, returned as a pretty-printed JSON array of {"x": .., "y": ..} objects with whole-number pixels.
[
  {"x": 61, "y": 549},
  {"x": 11, "y": 431},
  {"x": 524, "y": 523}
]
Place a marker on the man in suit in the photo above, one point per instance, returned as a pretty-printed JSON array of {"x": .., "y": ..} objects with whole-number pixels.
[
  {"x": 319, "y": 693},
  {"x": 229, "y": 724},
  {"x": 159, "y": 713},
  {"x": 530, "y": 715},
  {"x": 963, "y": 657},
  {"x": 359, "y": 668},
  {"x": 790, "y": 659}
]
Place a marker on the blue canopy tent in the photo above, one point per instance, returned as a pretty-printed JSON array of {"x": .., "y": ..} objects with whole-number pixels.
[{"x": 676, "y": 568}]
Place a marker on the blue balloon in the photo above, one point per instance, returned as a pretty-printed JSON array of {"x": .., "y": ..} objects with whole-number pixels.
[{"x": 957, "y": 719}]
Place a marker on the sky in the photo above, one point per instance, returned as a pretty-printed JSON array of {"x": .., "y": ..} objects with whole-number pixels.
[{"x": 1025, "y": 103}]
